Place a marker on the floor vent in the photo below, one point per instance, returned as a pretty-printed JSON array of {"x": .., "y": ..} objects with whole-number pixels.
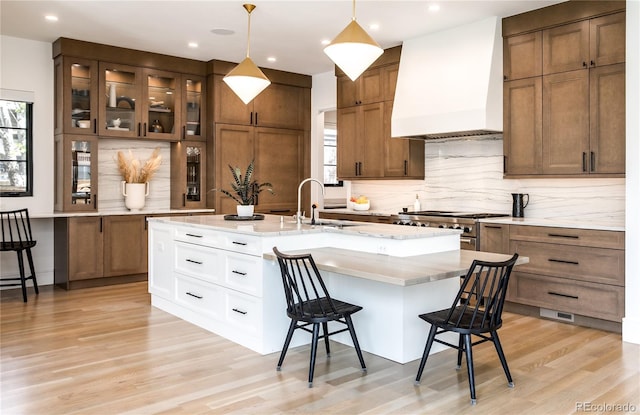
[{"x": 556, "y": 315}]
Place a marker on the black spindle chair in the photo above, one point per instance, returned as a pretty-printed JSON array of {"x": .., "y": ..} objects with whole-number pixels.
[
  {"x": 16, "y": 236},
  {"x": 484, "y": 279},
  {"x": 309, "y": 303}
]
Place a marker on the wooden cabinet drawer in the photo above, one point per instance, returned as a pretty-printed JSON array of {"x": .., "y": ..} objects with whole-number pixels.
[
  {"x": 199, "y": 236},
  {"x": 575, "y": 262},
  {"x": 200, "y": 296},
  {"x": 245, "y": 244},
  {"x": 583, "y": 298},
  {"x": 244, "y": 273},
  {"x": 568, "y": 236},
  {"x": 243, "y": 311},
  {"x": 198, "y": 262}
]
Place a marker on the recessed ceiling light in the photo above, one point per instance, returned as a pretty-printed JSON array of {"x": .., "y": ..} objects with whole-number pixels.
[
  {"x": 193, "y": 45},
  {"x": 434, "y": 7},
  {"x": 51, "y": 18},
  {"x": 271, "y": 59},
  {"x": 222, "y": 32},
  {"x": 374, "y": 26}
]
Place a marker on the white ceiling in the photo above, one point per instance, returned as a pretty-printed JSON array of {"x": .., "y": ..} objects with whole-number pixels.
[{"x": 290, "y": 30}]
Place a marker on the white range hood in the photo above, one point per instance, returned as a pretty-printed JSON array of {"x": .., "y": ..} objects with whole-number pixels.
[{"x": 450, "y": 84}]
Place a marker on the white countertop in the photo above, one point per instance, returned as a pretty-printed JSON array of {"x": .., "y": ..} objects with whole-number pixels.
[
  {"x": 48, "y": 215},
  {"x": 272, "y": 225},
  {"x": 560, "y": 223},
  {"x": 405, "y": 271}
]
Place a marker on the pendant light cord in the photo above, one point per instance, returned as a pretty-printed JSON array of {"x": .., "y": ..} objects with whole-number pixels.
[
  {"x": 354, "y": 10},
  {"x": 248, "y": 32}
]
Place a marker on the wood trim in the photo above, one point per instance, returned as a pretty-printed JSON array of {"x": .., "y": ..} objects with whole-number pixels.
[
  {"x": 100, "y": 52},
  {"x": 558, "y": 14}
]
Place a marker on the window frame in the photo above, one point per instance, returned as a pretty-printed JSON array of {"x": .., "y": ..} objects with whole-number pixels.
[
  {"x": 29, "y": 151},
  {"x": 340, "y": 183}
]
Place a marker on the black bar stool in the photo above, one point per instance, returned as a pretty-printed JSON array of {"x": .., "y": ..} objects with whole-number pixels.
[{"x": 16, "y": 236}]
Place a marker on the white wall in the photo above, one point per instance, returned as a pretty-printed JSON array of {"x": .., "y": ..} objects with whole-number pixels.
[{"x": 27, "y": 66}]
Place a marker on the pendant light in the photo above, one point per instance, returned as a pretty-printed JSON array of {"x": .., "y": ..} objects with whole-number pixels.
[
  {"x": 246, "y": 79},
  {"x": 353, "y": 50}
]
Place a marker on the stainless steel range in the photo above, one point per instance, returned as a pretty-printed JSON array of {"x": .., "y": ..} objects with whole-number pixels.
[{"x": 467, "y": 222}]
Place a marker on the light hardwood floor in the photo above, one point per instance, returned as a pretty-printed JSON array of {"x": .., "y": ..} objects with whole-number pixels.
[{"x": 107, "y": 351}]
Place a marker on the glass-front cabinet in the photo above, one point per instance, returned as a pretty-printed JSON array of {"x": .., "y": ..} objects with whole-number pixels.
[
  {"x": 76, "y": 165},
  {"x": 162, "y": 105},
  {"x": 120, "y": 99},
  {"x": 188, "y": 185},
  {"x": 76, "y": 83},
  {"x": 193, "y": 107}
]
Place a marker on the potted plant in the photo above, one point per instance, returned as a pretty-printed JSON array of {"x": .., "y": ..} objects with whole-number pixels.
[{"x": 245, "y": 189}]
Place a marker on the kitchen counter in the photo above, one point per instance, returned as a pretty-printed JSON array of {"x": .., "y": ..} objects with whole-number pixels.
[
  {"x": 356, "y": 212},
  {"x": 594, "y": 224},
  {"x": 49, "y": 215}
]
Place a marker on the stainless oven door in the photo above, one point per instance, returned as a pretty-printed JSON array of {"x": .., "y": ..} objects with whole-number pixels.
[{"x": 468, "y": 244}]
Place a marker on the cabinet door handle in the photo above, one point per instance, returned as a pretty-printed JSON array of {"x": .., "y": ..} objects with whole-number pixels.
[
  {"x": 593, "y": 63},
  {"x": 251, "y": 118},
  {"x": 584, "y": 64},
  {"x": 558, "y": 235},
  {"x": 239, "y": 243},
  {"x": 184, "y": 199},
  {"x": 256, "y": 118},
  {"x": 584, "y": 161},
  {"x": 504, "y": 78},
  {"x": 493, "y": 226},
  {"x": 356, "y": 168},
  {"x": 239, "y": 273},
  {"x": 101, "y": 225},
  {"x": 504, "y": 164},
  {"x": 563, "y": 261},
  {"x": 562, "y": 295},
  {"x": 95, "y": 125},
  {"x": 144, "y": 130},
  {"x": 239, "y": 311},
  {"x": 199, "y": 297},
  {"x": 193, "y": 235},
  {"x": 406, "y": 167},
  {"x": 592, "y": 163},
  {"x": 184, "y": 132},
  {"x": 194, "y": 261},
  {"x": 279, "y": 211}
]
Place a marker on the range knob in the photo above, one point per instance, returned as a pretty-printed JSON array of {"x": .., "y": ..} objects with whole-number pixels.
[
  {"x": 441, "y": 226},
  {"x": 466, "y": 229}
]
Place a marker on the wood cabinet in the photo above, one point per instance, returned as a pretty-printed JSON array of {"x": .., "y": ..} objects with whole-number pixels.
[
  {"x": 194, "y": 108},
  {"x": 76, "y": 173},
  {"x": 494, "y": 238},
  {"x": 570, "y": 121},
  {"x": 188, "y": 175},
  {"x": 575, "y": 271},
  {"x": 76, "y": 95},
  {"x": 358, "y": 217},
  {"x": 278, "y": 106},
  {"x": 91, "y": 250},
  {"x": 360, "y": 141},
  {"x": 368, "y": 88},
  {"x": 279, "y": 156},
  {"x": 403, "y": 158}
]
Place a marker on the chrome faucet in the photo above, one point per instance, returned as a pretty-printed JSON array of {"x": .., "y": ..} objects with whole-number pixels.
[{"x": 299, "y": 212}]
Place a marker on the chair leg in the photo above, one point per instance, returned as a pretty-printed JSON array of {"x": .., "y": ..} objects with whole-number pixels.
[
  {"x": 292, "y": 328},
  {"x": 23, "y": 280},
  {"x": 314, "y": 349},
  {"x": 33, "y": 271},
  {"x": 425, "y": 355},
  {"x": 460, "y": 349},
  {"x": 503, "y": 360},
  {"x": 469, "y": 356},
  {"x": 352, "y": 331},
  {"x": 325, "y": 329}
]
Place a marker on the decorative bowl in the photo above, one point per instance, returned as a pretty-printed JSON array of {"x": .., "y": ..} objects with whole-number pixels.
[
  {"x": 84, "y": 123},
  {"x": 361, "y": 206}
]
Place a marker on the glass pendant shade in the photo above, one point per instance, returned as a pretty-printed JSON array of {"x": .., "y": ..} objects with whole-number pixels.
[
  {"x": 246, "y": 80},
  {"x": 353, "y": 50}
]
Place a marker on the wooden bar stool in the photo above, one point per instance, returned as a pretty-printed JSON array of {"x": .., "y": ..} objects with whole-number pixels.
[{"x": 16, "y": 236}]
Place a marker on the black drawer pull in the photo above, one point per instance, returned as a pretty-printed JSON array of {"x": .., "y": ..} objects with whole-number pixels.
[
  {"x": 193, "y": 261},
  {"x": 558, "y": 235},
  {"x": 239, "y": 273},
  {"x": 239, "y": 243},
  {"x": 193, "y": 235},
  {"x": 199, "y": 297},
  {"x": 563, "y": 261},
  {"x": 239, "y": 311},
  {"x": 562, "y": 295},
  {"x": 493, "y": 226}
]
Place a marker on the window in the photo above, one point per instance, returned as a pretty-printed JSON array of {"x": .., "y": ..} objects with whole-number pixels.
[
  {"x": 331, "y": 157},
  {"x": 16, "y": 152}
]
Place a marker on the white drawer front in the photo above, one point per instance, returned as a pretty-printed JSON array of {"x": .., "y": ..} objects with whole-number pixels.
[
  {"x": 244, "y": 312},
  {"x": 200, "y": 296},
  {"x": 199, "y": 262},
  {"x": 244, "y": 273},
  {"x": 199, "y": 236},
  {"x": 243, "y": 243}
]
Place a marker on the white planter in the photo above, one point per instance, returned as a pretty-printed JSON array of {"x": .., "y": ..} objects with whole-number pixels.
[
  {"x": 245, "y": 210},
  {"x": 134, "y": 194}
]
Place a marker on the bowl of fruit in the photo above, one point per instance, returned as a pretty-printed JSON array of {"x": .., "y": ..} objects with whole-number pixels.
[{"x": 360, "y": 203}]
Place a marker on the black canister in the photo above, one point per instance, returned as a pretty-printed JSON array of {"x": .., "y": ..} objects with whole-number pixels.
[{"x": 519, "y": 204}]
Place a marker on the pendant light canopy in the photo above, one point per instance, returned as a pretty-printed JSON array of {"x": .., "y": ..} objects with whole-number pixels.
[
  {"x": 353, "y": 50},
  {"x": 246, "y": 79}
]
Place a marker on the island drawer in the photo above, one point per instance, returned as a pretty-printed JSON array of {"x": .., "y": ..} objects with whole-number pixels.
[
  {"x": 242, "y": 243},
  {"x": 594, "y": 300},
  {"x": 199, "y": 296},
  {"x": 568, "y": 236},
  {"x": 199, "y": 236},
  {"x": 575, "y": 262},
  {"x": 244, "y": 312},
  {"x": 244, "y": 273},
  {"x": 199, "y": 262}
]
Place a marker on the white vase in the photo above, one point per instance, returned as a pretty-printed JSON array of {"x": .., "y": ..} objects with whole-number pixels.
[
  {"x": 134, "y": 194},
  {"x": 245, "y": 210}
]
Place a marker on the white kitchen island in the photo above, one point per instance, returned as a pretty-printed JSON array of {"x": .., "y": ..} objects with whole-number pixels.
[{"x": 222, "y": 275}]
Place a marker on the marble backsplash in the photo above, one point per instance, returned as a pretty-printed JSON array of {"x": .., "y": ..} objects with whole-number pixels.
[
  {"x": 109, "y": 182},
  {"x": 467, "y": 176}
]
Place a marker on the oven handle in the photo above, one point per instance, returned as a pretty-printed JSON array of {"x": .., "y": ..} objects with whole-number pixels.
[{"x": 467, "y": 240}]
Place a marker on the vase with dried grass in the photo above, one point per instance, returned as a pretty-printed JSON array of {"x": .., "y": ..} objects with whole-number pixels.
[{"x": 135, "y": 186}]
